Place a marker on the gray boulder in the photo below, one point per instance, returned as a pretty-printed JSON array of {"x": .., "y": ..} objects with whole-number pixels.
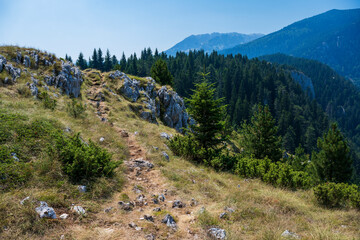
[
  {"x": 45, "y": 211},
  {"x": 2, "y": 62},
  {"x": 27, "y": 61},
  {"x": 175, "y": 114},
  {"x": 69, "y": 80},
  {"x": 116, "y": 74},
  {"x": 165, "y": 135},
  {"x": 217, "y": 233},
  {"x": 13, "y": 71},
  {"x": 169, "y": 221},
  {"x": 34, "y": 90},
  {"x": 130, "y": 88},
  {"x": 79, "y": 210}
]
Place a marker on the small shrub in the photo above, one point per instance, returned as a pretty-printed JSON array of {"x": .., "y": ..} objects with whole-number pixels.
[
  {"x": 76, "y": 109},
  {"x": 81, "y": 160},
  {"x": 48, "y": 102},
  {"x": 277, "y": 174},
  {"x": 338, "y": 195}
]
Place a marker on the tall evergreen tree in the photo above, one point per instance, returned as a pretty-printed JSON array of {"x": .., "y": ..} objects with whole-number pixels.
[
  {"x": 209, "y": 114},
  {"x": 114, "y": 60},
  {"x": 260, "y": 136},
  {"x": 160, "y": 73},
  {"x": 108, "y": 62},
  {"x": 123, "y": 62},
  {"x": 100, "y": 60},
  {"x": 81, "y": 62},
  {"x": 333, "y": 163},
  {"x": 94, "y": 60}
]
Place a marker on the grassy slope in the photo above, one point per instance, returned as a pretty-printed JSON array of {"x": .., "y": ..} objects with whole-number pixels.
[{"x": 262, "y": 212}]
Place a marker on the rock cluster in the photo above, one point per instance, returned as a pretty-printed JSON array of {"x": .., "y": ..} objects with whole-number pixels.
[
  {"x": 13, "y": 71},
  {"x": 164, "y": 103},
  {"x": 69, "y": 80}
]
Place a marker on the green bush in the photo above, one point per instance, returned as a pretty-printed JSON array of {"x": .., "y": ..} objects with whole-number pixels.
[
  {"x": 278, "y": 174},
  {"x": 81, "y": 160},
  {"x": 338, "y": 195},
  {"x": 76, "y": 109},
  {"x": 48, "y": 102}
]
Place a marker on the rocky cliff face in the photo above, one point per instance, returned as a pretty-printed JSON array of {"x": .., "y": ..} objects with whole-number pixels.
[{"x": 159, "y": 103}]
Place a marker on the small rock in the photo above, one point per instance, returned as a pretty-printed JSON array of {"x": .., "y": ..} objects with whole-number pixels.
[
  {"x": 156, "y": 201},
  {"x": 67, "y": 129},
  {"x": 79, "y": 210},
  {"x": 107, "y": 210},
  {"x": 238, "y": 185},
  {"x": 103, "y": 119},
  {"x": 142, "y": 163},
  {"x": 157, "y": 209},
  {"x": 64, "y": 216},
  {"x": 155, "y": 148},
  {"x": 148, "y": 218},
  {"x": 136, "y": 189},
  {"x": 165, "y": 155},
  {"x": 124, "y": 133},
  {"x": 193, "y": 202},
  {"x": 45, "y": 211},
  {"x": 165, "y": 135},
  {"x": 133, "y": 225},
  {"x": 82, "y": 188},
  {"x": 126, "y": 206},
  {"x": 62, "y": 237},
  {"x": 217, "y": 233},
  {"x": 193, "y": 181},
  {"x": 102, "y": 139},
  {"x": 24, "y": 200},
  {"x": 224, "y": 215},
  {"x": 178, "y": 204},
  {"x": 288, "y": 234},
  {"x": 15, "y": 157},
  {"x": 161, "y": 197},
  {"x": 169, "y": 221},
  {"x": 140, "y": 200},
  {"x": 136, "y": 133},
  {"x": 202, "y": 210},
  {"x": 150, "y": 237}
]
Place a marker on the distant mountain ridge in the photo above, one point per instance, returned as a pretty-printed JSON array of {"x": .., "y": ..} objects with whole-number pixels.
[
  {"x": 332, "y": 38},
  {"x": 210, "y": 42}
]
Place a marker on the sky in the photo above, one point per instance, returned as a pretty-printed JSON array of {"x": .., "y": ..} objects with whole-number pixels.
[{"x": 74, "y": 26}]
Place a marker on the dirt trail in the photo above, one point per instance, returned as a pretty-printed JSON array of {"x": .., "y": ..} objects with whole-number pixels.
[{"x": 144, "y": 188}]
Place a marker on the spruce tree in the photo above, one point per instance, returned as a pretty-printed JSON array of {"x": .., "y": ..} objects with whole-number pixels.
[
  {"x": 209, "y": 113},
  {"x": 160, "y": 73},
  {"x": 123, "y": 62},
  {"x": 94, "y": 60},
  {"x": 114, "y": 61},
  {"x": 80, "y": 62},
  {"x": 260, "y": 136},
  {"x": 100, "y": 60},
  {"x": 108, "y": 62},
  {"x": 333, "y": 163}
]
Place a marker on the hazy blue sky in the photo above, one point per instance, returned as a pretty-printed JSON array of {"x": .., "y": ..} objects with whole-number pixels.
[{"x": 71, "y": 26}]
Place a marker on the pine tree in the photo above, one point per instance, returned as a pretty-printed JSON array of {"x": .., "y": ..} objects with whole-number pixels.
[
  {"x": 209, "y": 114},
  {"x": 80, "y": 62},
  {"x": 160, "y": 73},
  {"x": 123, "y": 62},
  {"x": 100, "y": 60},
  {"x": 260, "y": 136},
  {"x": 333, "y": 163},
  {"x": 94, "y": 60},
  {"x": 108, "y": 63}
]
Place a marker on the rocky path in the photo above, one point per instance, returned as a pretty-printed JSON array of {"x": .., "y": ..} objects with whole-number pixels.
[{"x": 145, "y": 208}]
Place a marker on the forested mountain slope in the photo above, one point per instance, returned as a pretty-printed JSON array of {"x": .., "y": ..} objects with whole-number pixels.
[
  {"x": 339, "y": 97},
  {"x": 332, "y": 38}
]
